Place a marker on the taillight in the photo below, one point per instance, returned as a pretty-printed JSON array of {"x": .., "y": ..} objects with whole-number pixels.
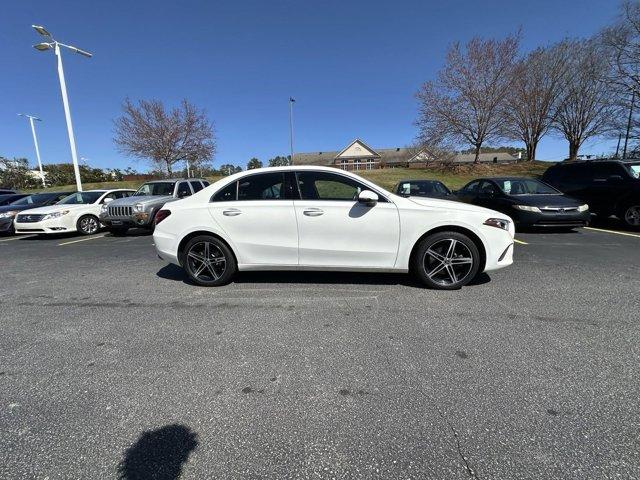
[{"x": 161, "y": 215}]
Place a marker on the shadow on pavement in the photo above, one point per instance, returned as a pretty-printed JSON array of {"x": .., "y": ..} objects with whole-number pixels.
[
  {"x": 158, "y": 454},
  {"x": 173, "y": 272}
]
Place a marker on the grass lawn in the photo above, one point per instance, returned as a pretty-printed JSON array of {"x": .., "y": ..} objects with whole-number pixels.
[{"x": 453, "y": 178}]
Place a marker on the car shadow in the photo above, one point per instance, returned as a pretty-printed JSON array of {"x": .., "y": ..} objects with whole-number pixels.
[
  {"x": 175, "y": 273},
  {"x": 159, "y": 454}
]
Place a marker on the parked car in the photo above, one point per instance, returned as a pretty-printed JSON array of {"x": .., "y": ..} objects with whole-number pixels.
[
  {"x": 8, "y": 212},
  {"x": 7, "y": 198},
  {"x": 423, "y": 188},
  {"x": 528, "y": 201},
  {"x": 140, "y": 209},
  {"x": 610, "y": 187},
  {"x": 320, "y": 218},
  {"x": 77, "y": 212}
]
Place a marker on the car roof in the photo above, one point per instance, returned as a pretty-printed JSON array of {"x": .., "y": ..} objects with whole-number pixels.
[
  {"x": 173, "y": 180},
  {"x": 420, "y": 180},
  {"x": 507, "y": 178}
]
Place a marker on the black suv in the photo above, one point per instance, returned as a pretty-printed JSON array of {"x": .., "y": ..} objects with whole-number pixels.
[{"x": 610, "y": 187}]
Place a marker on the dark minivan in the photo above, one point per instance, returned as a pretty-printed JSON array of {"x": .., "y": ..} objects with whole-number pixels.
[{"x": 610, "y": 187}]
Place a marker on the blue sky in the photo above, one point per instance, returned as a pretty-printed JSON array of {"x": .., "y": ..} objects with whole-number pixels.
[{"x": 353, "y": 67}]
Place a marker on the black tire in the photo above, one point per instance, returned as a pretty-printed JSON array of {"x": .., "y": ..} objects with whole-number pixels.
[
  {"x": 215, "y": 273},
  {"x": 88, "y": 225},
  {"x": 446, "y": 260},
  {"x": 118, "y": 231},
  {"x": 630, "y": 214}
]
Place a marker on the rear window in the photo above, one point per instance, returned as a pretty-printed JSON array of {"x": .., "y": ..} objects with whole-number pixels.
[
  {"x": 197, "y": 186},
  {"x": 634, "y": 169}
]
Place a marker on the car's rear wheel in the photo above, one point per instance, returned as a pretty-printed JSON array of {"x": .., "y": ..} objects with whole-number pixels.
[
  {"x": 631, "y": 215},
  {"x": 208, "y": 261},
  {"x": 88, "y": 224},
  {"x": 118, "y": 231},
  {"x": 446, "y": 260}
]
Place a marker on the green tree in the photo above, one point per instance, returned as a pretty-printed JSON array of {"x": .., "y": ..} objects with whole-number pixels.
[
  {"x": 280, "y": 161},
  {"x": 254, "y": 163},
  {"x": 17, "y": 174}
]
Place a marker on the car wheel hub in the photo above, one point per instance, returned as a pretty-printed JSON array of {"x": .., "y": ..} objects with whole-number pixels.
[
  {"x": 206, "y": 261},
  {"x": 632, "y": 215},
  {"x": 448, "y": 261},
  {"x": 89, "y": 225}
]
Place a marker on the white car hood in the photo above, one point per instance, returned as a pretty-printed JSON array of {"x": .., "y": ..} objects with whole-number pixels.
[
  {"x": 453, "y": 205},
  {"x": 55, "y": 208}
]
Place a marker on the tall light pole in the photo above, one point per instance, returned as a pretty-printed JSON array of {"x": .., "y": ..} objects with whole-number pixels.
[
  {"x": 291, "y": 102},
  {"x": 55, "y": 45},
  {"x": 35, "y": 143}
]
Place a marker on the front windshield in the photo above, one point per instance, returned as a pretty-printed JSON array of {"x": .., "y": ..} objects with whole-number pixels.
[
  {"x": 155, "y": 188},
  {"x": 634, "y": 168},
  {"x": 34, "y": 199},
  {"x": 81, "y": 198},
  {"x": 422, "y": 188},
  {"x": 525, "y": 186}
]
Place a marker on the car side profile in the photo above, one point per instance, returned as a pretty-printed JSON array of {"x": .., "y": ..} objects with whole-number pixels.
[
  {"x": 320, "y": 218},
  {"x": 77, "y": 212},
  {"x": 610, "y": 187}
]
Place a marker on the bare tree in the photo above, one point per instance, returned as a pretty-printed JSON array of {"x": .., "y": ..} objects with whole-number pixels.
[
  {"x": 622, "y": 40},
  {"x": 465, "y": 104},
  {"x": 538, "y": 82},
  {"x": 587, "y": 105},
  {"x": 147, "y": 130}
]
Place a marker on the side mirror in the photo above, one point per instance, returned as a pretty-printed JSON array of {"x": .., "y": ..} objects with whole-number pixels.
[
  {"x": 368, "y": 197},
  {"x": 107, "y": 200}
]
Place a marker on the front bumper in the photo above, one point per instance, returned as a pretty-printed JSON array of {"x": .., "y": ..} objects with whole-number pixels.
[
  {"x": 139, "y": 220},
  {"x": 54, "y": 225},
  {"x": 551, "y": 219}
]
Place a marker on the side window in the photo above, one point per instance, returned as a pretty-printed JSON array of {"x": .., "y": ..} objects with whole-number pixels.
[
  {"x": 263, "y": 186},
  {"x": 124, "y": 194},
  {"x": 328, "y": 186},
  {"x": 112, "y": 196},
  {"x": 196, "y": 185},
  {"x": 488, "y": 188},
  {"x": 605, "y": 170},
  {"x": 205, "y": 183},
  {"x": 227, "y": 194},
  {"x": 472, "y": 188},
  {"x": 183, "y": 190}
]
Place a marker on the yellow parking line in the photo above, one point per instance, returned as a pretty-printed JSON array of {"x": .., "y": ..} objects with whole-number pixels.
[
  {"x": 627, "y": 234},
  {"x": 520, "y": 242},
  {"x": 18, "y": 237},
  {"x": 81, "y": 240}
]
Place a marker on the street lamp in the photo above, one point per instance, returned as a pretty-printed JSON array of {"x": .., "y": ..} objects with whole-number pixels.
[
  {"x": 35, "y": 142},
  {"x": 54, "y": 45}
]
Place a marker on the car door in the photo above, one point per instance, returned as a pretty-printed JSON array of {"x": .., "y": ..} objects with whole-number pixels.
[
  {"x": 335, "y": 230},
  {"x": 257, "y": 214},
  {"x": 469, "y": 192},
  {"x": 607, "y": 184},
  {"x": 488, "y": 196}
]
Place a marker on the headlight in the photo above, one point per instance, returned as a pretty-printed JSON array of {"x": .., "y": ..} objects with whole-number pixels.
[
  {"x": 103, "y": 208},
  {"x": 10, "y": 214},
  {"x": 527, "y": 208},
  {"x": 49, "y": 216},
  {"x": 138, "y": 207},
  {"x": 498, "y": 223},
  {"x": 583, "y": 208}
]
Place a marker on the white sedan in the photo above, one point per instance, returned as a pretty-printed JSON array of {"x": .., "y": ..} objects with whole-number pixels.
[
  {"x": 321, "y": 218},
  {"x": 77, "y": 212}
]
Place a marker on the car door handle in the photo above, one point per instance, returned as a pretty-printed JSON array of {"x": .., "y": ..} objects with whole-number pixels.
[
  {"x": 231, "y": 212},
  {"x": 313, "y": 212}
]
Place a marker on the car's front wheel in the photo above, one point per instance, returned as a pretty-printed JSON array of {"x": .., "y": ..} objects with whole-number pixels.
[
  {"x": 88, "y": 225},
  {"x": 446, "y": 260},
  {"x": 208, "y": 261}
]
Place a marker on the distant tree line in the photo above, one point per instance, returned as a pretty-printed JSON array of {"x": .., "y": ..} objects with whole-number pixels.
[{"x": 577, "y": 89}]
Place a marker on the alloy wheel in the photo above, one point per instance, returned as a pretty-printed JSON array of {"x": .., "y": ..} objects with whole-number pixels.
[
  {"x": 632, "y": 215},
  {"x": 447, "y": 261},
  {"x": 206, "y": 261},
  {"x": 89, "y": 225}
]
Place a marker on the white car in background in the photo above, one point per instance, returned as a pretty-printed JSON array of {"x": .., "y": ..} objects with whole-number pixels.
[
  {"x": 77, "y": 212},
  {"x": 321, "y": 218}
]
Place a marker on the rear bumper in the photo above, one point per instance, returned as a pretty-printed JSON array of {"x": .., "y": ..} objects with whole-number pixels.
[{"x": 166, "y": 247}]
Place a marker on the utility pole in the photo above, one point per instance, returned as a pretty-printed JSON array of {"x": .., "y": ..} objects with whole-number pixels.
[
  {"x": 626, "y": 137},
  {"x": 291, "y": 102},
  {"x": 35, "y": 143}
]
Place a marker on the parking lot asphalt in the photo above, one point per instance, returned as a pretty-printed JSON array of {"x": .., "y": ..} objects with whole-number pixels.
[{"x": 113, "y": 365}]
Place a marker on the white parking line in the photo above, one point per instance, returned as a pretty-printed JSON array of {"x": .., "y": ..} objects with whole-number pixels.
[
  {"x": 17, "y": 237},
  {"x": 81, "y": 240},
  {"x": 520, "y": 242},
  {"x": 627, "y": 234}
]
